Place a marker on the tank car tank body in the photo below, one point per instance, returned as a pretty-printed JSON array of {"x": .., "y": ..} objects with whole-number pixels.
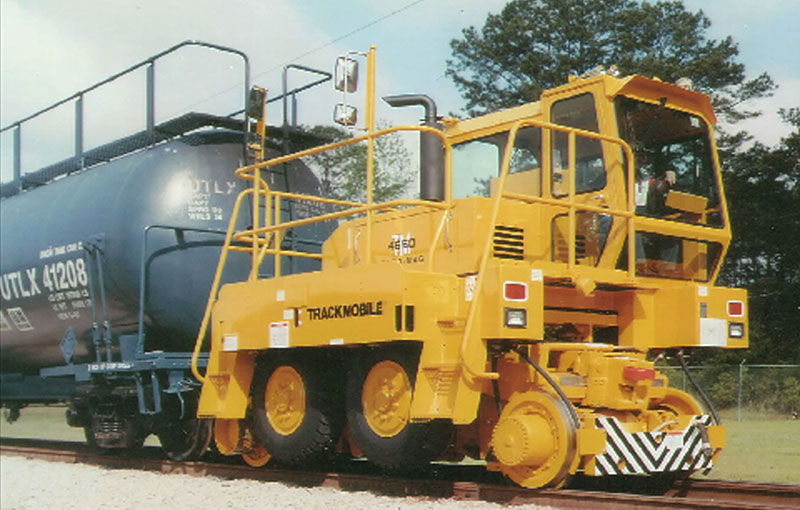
[
  {"x": 106, "y": 262},
  {"x": 175, "y": 198}
]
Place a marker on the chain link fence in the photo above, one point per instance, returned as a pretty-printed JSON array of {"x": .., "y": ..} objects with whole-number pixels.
[{"x": 746, "y": 389}]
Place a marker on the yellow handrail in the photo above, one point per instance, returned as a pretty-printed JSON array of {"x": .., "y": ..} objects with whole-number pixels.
[
  {"x": 261, "y": 241},
  {"x": 467, "y": 339},
  {"x": 198, "y": 344}
]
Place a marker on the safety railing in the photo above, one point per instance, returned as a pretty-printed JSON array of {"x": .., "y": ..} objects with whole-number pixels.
[
  {"x": 264, "y": 240},
  {"x": 265, "y": 235},
  {"x": 150, "y": 122},
  {"x": 469, "y": 339}
]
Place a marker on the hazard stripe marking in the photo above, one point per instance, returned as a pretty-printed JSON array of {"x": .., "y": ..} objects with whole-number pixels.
[{"x": 644, "y": 453}]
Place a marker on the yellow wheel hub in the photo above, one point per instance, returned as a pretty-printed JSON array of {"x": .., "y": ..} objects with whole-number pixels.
[
  {"x": 386, "y": 398},
  {"x": 256, "y": 455},
  {"x": 285, "y": 400},
  {"x": 226, "y": 435},
  {"x": 534, "y": 440},
  {"x": 232, "y": 437}
]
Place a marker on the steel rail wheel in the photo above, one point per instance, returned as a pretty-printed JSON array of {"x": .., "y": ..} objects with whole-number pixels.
[
  {"x": 295, "y": 414},
  {"x": 680, "y": 403},
  {"x": 534, "y": 440},
  {"x": 379, "y": 394},
  {"x": 257, "y": 456},
  {"x": 188, "y": 439},
  {"x": 183, "y": 436},
  {"x": 227, "y": 436},
  {"x": 234, "y": 436}
]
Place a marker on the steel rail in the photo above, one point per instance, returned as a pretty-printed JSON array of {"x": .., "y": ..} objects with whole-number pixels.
[{"x": 442, "y": 481}]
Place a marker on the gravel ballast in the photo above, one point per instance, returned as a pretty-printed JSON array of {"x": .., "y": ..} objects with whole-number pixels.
[{"x": 30, "y": 484}]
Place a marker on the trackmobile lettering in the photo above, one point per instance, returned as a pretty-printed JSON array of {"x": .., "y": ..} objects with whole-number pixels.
[{"x": 367, "y": 309}]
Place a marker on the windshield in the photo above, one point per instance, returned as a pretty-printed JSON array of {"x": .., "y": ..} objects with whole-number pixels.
[{"x": 674, "y": 169}]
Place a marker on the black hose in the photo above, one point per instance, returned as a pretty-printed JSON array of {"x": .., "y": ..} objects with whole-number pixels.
[
  {"x": 697, "y": 388},
  {"x": 572, "y": 413},
  {"x": 496, "y": 389}
]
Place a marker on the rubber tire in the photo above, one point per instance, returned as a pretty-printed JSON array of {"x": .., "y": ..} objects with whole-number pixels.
[
  {"x": 323, "y": 421},
  {"x": 417, "y": 444}
]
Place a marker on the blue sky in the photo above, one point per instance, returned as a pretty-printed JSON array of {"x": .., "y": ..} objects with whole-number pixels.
[{"x": 49, "y": 49}]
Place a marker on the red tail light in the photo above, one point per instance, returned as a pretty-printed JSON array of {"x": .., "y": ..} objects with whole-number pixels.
[
  {"x": 735, "y": 308},
  {"x": 515, "y": 291}
]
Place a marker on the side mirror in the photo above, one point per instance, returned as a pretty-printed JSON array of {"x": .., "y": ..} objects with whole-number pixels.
[
  {"x": 255, "y": 103},
  {"x": 345, "y": 115},
  {"x": 346, "y": 79}
]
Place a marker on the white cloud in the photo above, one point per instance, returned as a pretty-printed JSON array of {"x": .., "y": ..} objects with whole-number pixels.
[
  {"x": 50, "y": 49},
  {"x": 769, "y": 128}
]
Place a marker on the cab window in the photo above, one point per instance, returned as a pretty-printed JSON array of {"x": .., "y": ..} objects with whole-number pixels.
[
  {"x": 590, "y": 174},
  {"x": 477, "y": 163}
]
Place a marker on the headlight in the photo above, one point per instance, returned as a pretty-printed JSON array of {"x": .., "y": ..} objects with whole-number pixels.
[
  {"x": 735, "y": 329},
  {"x": 516, "y": 318}
]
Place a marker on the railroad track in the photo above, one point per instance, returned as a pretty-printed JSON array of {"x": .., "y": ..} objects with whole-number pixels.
[{"x": 446, "y": 481}]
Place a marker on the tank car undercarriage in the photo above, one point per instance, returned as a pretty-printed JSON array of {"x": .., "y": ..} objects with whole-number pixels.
[{"x": 114, "y": 416}]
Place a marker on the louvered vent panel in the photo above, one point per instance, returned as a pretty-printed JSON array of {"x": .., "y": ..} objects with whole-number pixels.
[
  {"x": 509, "y": 242},
  {"x": 561, "y": 250}
]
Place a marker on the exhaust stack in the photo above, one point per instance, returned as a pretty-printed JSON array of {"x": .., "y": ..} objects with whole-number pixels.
[{"x": 431, "y": 155}]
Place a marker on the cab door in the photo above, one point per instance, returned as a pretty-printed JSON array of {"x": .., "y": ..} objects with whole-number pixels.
[{"x": 599, "y": 181}]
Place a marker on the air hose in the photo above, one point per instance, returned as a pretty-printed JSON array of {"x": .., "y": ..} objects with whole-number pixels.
[
  {"x": 572, "y": 413},
  {"x": 697, "y": 388}
]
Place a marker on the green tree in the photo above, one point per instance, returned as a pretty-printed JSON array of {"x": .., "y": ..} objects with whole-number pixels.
[
  {"x": 532, "y": 45},
  {"x": 342, "y": 172},
  {"x": 763, "y": 189}
]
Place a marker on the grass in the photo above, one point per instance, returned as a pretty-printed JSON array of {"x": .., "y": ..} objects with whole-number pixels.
[
  {"x": 47, "y": 422},
  {"x": 760, "y": 448},
  {"x": 41, "y": 422}
]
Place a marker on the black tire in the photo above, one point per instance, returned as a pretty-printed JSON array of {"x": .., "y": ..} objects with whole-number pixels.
[
  {"x": 413, "y": 447},
  {"x": 323, "y": 417}
]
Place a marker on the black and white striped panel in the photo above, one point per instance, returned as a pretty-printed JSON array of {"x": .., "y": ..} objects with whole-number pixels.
[{"x": 644, "y": 453}]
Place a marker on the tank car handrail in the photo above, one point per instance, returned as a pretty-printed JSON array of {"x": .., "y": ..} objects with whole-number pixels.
[
  {"x": 143, "y": 273},
  {"x": 149, "y": 60},
  {"x": 150, "y": 106}
]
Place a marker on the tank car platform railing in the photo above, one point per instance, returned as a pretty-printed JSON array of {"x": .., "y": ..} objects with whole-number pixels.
[{"x": 153, "y": 133}]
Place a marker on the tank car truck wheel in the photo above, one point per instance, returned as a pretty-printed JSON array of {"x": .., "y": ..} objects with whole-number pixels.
[
  {"x": 295, "y": 413},
  {"x": 534, "y": 440},
  {"x": 88, "y": 433},
  {"x": 379, "y": 393},
  {"x": 185, "y": 438}
]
